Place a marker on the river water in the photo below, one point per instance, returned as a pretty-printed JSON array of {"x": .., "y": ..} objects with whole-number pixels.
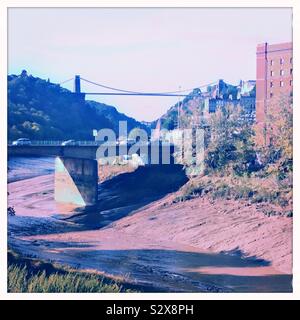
[
  {"x": 20, "y": 168},
  {"x": 90, "y": 242}
]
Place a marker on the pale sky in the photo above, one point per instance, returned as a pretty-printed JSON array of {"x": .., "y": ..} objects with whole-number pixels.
[{"x": 143, "y": 49}]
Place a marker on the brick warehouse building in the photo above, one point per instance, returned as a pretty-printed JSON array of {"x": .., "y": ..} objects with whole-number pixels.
[{"x": 274, "y": 75}]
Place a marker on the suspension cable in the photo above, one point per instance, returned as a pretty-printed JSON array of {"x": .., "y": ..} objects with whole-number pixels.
[
  {"x": 66, "y": 81},
  {"x": 137, "y": 92}
]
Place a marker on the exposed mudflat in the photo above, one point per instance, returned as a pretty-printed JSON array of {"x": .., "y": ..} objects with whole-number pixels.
[{"x": 137, "y": 233}]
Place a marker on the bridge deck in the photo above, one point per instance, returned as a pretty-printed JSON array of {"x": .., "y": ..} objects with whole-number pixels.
[{"x": 89, "y": 151}]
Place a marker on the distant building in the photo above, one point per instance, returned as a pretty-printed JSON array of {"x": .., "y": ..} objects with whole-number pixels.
[
  {"x": 247, "y": 104},
  {"x": 224, "y": 95},
  {"x": 274, "y": 75},
  {"x": 212, "y": 104},
  {"x": 245, "y": 88},
  {"x": 247, "y": 99}
]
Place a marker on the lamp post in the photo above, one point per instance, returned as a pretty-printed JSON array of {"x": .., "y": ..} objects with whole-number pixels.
[{"x": 178, "y": 111}]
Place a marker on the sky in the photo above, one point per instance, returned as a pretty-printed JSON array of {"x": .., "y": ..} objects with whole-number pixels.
[{"x": 142, "y": 49}]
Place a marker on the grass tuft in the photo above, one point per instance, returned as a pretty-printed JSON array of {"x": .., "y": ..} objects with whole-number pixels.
[{"x": 33, "y": 276}]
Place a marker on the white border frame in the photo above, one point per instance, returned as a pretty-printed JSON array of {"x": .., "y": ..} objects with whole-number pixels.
[{"x": 4, "y": 5}]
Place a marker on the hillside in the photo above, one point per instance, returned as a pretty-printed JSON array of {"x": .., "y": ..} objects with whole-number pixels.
[
  {"x": 192, "y": 106},
  {"x": 189, "y": 106},
  {"x": 41, "y": 110}
]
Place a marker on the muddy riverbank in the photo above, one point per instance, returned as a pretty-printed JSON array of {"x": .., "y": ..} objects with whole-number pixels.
[{"x": 194, "y": 246}]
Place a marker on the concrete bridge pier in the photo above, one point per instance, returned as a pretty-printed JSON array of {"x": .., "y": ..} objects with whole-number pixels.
[
  {"x": 76, "y": 181},
  {"x": 76, "y": 167}
]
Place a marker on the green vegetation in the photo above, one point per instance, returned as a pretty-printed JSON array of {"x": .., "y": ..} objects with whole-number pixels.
[
  {"x": 35, "y": 276},
  {"x": 251, "y": 189},
  {"x": 41, "y": 110},
  {"x": 231, "y": 147},
  {"x": 249, "y": 162},
  {"x": 190, "y": 109},
  {"x": 192, "y": 106}
]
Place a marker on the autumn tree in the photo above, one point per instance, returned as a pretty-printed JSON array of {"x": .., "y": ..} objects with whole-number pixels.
[
  {"x": 231, "y": 147},
  {"x": 274, "y": 140}
]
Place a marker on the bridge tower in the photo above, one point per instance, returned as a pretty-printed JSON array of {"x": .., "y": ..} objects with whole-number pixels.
[
  {"x": 77, "y": 84},
  {"x": 77, "y": 89}
]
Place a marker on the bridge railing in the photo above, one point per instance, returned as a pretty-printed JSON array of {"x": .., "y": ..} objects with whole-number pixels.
[
  {"x": 59, "y": 143},
  {"x": 48, "y": 143},
  {"x": 41, "y": 143}
]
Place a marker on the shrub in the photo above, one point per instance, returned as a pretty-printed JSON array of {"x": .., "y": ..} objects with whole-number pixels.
[{"x": 255, "y": 189}]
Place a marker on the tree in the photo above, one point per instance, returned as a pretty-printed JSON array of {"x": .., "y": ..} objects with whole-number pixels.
[
  {"x": 24, "y": 73},
  {"x": 274, "y": 140},
  {"x": 41, "y": 110},
  {"x": 231, "y": 148}
]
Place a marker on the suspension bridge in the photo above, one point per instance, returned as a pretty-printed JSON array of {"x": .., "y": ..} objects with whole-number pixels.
[
  {"x": 76, "y": 167},
  {"x": 122, "y": 92}
]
